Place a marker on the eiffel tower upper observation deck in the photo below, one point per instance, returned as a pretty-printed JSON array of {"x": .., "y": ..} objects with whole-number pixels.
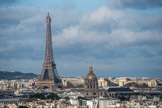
[{"x": 49, "y": 76}]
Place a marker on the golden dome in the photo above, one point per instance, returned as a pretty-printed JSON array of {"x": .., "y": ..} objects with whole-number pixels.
[{"x": 91, "y": 75}]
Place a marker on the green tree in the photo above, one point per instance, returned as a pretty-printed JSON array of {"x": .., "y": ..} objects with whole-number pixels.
[
  {"x": 67, "y": 98},
  {"x": 53, "y": 96},
  {"x": 122, "y": 98},
  {"x": 70, "y": 85},
  {"x": 38, "y": 95},
  {"x": 80, "y": 86},
  {"x": 82, "y": 98}
]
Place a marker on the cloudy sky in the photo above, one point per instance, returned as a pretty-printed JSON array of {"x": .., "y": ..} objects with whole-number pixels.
[{"x": 118, "y": 37}]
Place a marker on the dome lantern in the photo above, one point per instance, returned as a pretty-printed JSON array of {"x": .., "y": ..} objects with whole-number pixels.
[{"x": 91, "y": 75}]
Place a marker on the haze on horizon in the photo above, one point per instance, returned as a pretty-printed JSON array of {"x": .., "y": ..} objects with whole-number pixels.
[{"x": 118, "y": 37}]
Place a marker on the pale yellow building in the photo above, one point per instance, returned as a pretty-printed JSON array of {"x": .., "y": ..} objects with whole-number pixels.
[
  {"x": 153, "y": 83},
  {"x": 73, "y": 81},
  {"x": 122, "y": 81},
  {"x": 102, "y": 82}
]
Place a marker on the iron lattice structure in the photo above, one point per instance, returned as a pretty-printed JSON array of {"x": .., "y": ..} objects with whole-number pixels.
[{"x": 49, "y": 76}]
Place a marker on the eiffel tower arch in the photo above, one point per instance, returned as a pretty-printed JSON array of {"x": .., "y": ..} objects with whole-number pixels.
[{"x": 49, "y": 77}]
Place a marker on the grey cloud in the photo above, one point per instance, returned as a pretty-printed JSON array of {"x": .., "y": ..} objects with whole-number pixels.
[
  {"x": 138, "y": 4},
  {"x": 19, "y": 51},
  {"x": 20, "y": 21},
  {"x": 22, "y": 31},
  {"x": 8, "y": 2},
  {"x": 112, "y": 35},
  {"x": 91, "y": 32},
  {"x": 106, "y": 19},
  {"x": 111, "y": 39}
]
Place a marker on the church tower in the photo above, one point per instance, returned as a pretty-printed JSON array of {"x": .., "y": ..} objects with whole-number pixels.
[
  {"x": 49, "y": 77},
  {"x": 91, "y": 84}
]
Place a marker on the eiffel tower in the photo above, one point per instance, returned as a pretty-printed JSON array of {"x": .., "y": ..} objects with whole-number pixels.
[{"x": 49, "y": 77}]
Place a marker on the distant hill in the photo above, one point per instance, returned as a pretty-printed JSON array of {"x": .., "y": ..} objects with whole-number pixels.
[{"x": 16, "y": 75}]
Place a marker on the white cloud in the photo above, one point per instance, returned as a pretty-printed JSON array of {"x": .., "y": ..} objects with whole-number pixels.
[
  {"x": 123, "y": 30},
  {"x": 101, "y": 16}
]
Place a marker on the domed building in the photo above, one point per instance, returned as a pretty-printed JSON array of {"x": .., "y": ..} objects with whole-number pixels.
[
  {"x": 91, "y": 89},
  {"x": 91, "y": 85}
]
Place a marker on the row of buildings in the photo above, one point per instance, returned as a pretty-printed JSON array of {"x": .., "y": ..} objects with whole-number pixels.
[
  {"x": 139, "y": 102},
  {"x": 79, "y": 82}
]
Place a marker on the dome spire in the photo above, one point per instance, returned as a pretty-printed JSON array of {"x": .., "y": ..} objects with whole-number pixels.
[
  {"x": 90, "y": 68},
  {"x": 91, "y": 75}
]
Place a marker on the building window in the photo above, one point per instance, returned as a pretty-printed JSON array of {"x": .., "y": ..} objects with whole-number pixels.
[
  {"x": 88, "y": 86},
  {"x": 87, "y": 93},
  {"x": 94, "y": 93},
  {"x": 101, "y": 93},
  {"x": 101, "y": 84}
]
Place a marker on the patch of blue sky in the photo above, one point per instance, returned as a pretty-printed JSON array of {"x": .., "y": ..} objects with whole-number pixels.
[
  {"x": 150, "y": 11},
  {"x": 76, "y": 5}
]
